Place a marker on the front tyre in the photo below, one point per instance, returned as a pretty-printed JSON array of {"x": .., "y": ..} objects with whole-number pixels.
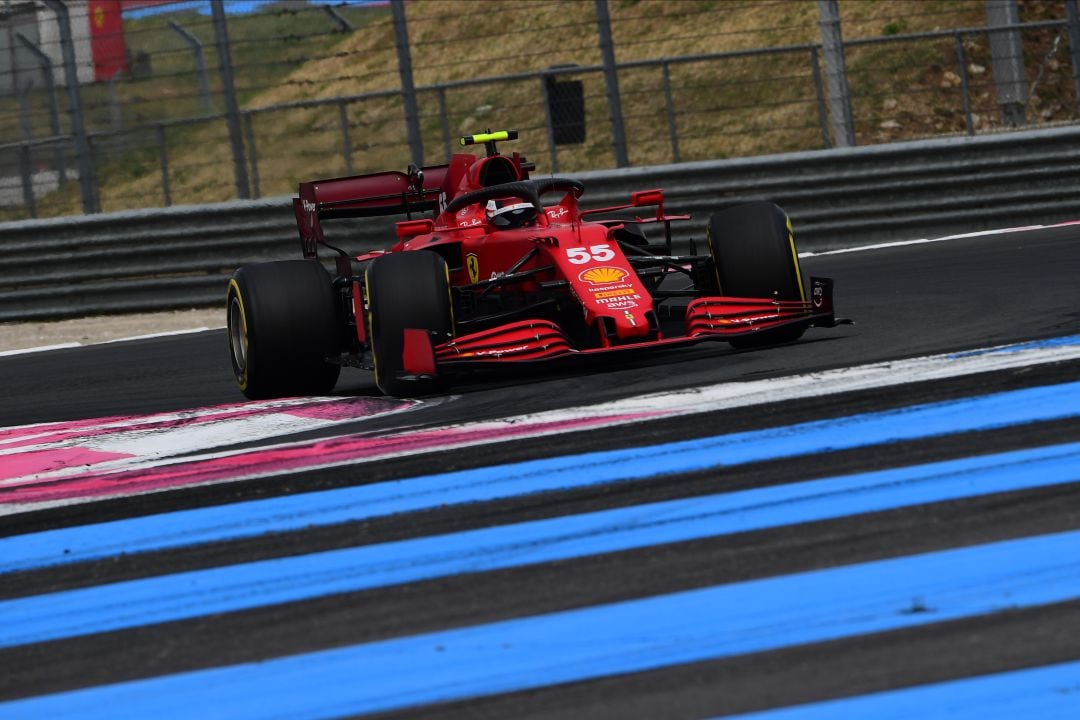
[
  {"x": 754, "y": 256},
  {"x": 406, "y": 290},
  {"x": 283, "y": 326}
]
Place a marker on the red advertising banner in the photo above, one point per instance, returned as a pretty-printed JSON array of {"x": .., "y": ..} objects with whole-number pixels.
[{"x": 107, "y": 38}]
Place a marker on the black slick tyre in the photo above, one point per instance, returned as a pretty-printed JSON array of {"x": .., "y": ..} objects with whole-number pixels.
[
  {"x": 406, "y": 290},
  {"x": 754, "y": 256},
  {"x": 283, "y": 325}
]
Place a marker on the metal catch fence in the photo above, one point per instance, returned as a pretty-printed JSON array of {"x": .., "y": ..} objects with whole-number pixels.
[{"x": 327, "y": 89}]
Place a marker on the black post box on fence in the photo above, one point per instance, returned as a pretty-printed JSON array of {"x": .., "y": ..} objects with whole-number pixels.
[{"x": 566, "y": 103}]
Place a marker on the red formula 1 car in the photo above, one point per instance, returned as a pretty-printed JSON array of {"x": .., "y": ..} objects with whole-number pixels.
[{"x": 506, "y": 271}]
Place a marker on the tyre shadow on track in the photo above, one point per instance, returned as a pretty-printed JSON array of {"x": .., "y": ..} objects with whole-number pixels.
[{"x": 590, "y": 379}]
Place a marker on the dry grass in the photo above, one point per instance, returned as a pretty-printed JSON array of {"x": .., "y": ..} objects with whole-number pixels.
[{"x": 738, "y": 107}]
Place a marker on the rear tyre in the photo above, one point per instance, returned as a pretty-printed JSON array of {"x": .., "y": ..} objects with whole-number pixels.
[
  {"x": 754, "y": 256},
  {"x": 283, "y": 325},
  {"x": 406, "y": 290}
]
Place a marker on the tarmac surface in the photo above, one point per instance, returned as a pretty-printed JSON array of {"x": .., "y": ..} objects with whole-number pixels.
[{"x": 582, "y": 592}]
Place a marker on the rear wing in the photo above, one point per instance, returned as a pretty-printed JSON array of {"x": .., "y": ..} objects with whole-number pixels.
[
  {"x": 397, "y": 193},
  {"x": 384, "y": 193}
]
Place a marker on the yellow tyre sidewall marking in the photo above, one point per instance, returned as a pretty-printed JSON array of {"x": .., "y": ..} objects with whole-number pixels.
[
  {"x": 234, "y": 289},
  {"x": 795, "y": 258},
  {"x": 370, "y": 322},
  {"x": 450, "y": 303},
  {"x": 715, "y": 262}
]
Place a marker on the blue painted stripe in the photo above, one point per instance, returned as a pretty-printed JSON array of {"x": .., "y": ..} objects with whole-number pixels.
[
  {"x": 244, "y": 586},
  {"x": 298, "y": 512},
  {"x": 1054, "y": 342},
  {"x": 1046, "y": 693},
  {"x": 632, "y": 636}
]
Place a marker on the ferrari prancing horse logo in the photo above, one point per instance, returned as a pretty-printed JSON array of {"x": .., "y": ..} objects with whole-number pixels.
[{"x": 472, "y": 264}]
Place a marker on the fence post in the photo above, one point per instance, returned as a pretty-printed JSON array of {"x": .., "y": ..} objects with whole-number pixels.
[
  {"x": 611, "y": 81},
  {"x": 93, "y": 151},
  {"x": 87, "y": 179},
  {"x": 965, "y": 88},
  {"x": 25, "y": 166},
  {"x": 819, "y": 92},
  {"x": 54, "y": 103},
  {"x": 1007, "y": 57},
  {"x": 408, "y": 90},
  {"x": 346, "y": 138},
  {"x": 116, "y": 112},
  {"x": 163, "y": 158},
  {"x": 27, "y": 180},
  {"x": 24, "y": 110},
  {"x": 232, "y": 111},
  {"x": 444, "y": 120},
  {"x": 343, "y": 24},
  {"x": 200, "y": 63},
  {"x": 832, "y": 44},
  {"x": 549, "y": 122},
  {"x": 249, "y": 135},
  {"x": 669, "y": 103},
  {"x": 1072, "y": 12}
]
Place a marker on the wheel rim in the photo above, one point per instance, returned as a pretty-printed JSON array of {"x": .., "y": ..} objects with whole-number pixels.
[{"x": 237, "y": 336}]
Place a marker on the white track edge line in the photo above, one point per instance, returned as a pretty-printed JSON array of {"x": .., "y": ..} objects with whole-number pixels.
[{"x": 674, "y": 403}]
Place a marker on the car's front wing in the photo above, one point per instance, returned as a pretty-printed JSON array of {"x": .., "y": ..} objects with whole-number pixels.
[{"x": 527, "y": 341}]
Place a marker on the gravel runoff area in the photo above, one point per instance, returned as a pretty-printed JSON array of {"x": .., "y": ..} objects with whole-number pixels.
[{"x": 18, "y": 336}]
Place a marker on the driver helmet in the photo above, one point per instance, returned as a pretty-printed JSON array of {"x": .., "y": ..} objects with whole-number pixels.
[{"x": 510, "y": 216}]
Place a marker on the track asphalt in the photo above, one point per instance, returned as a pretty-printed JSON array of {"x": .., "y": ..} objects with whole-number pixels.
[{"x": 906, "y": 547}]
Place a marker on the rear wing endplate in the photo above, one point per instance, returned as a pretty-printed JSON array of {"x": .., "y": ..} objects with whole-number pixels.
[{"x": 384, "y": 193}]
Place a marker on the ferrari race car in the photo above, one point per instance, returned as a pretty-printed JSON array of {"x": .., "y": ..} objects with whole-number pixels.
[{"x": 505, "y": 271}]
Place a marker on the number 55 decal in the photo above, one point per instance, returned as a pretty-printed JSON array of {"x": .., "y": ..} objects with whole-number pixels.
[{"x": 580, "y": 256}]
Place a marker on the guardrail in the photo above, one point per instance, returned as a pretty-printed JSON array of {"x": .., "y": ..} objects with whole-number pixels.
[{"x": 180, "y": 257}]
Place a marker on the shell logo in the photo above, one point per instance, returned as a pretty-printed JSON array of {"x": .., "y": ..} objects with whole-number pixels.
[{"x": 602, "y": 275}]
